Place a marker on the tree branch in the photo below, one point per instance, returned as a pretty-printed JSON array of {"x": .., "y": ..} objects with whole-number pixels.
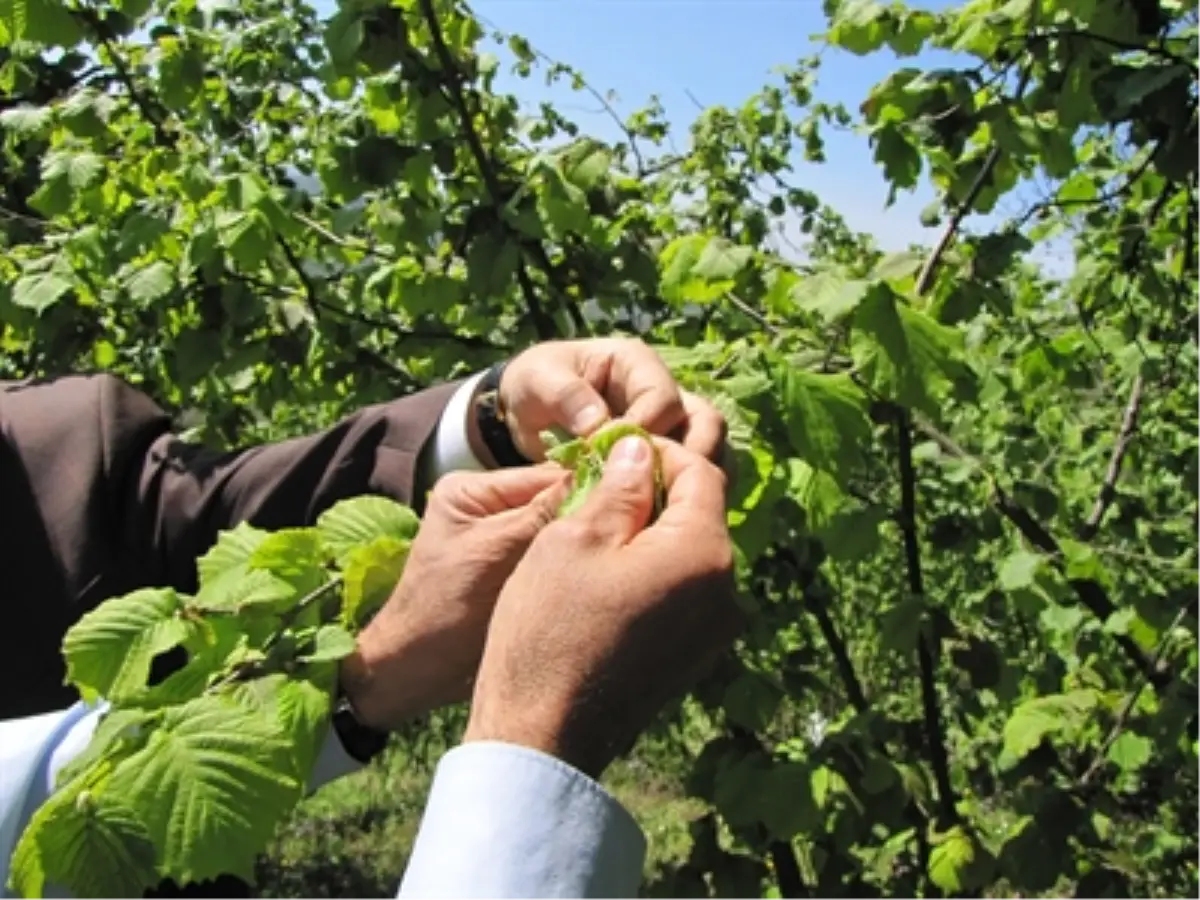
[
  {"x": 1090, "y": 593},
  {"x": 1108, "y": 490},
  {"x": 929, "y": 269},
  {"x": 310, "y": 287},
  {"x": 467, "y": 340},
  {"x": 92, "y": 20},
  {"x": 543, "y": 324},
  {"x": 934, "y": 732},
  {"x": 841, "y": 656}
]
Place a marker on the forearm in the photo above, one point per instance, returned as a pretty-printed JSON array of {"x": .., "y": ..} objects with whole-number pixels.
[
  {"x": 507, "y": 821},
  {"x": 184, "y": 496}
]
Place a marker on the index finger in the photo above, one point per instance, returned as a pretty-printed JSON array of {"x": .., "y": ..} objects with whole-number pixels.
[
  {"x": 644, "y": 389},
  {"x": 695, "y": 487}
]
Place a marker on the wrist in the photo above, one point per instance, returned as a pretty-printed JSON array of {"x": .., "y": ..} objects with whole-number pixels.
[
  {"x": 551, "y": 729},
  {"x": 490, "y": 426},
  {"x": 379, "y": 698},
  {"x": 475, "y": 437}
]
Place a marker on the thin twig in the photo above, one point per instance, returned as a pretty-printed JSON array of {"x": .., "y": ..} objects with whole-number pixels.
[
  {"x": 342, "y": 242},
  {"x": 1116, "y": 194},
  {"x": 753, "y": 313},
  {"x": 1131, "y": 700},
  {"x": 310, "y": 286},
  {"x": 837, "y": 646},
  {"x": 1108, "y": 490},
  {"x": 587, "y": 86}
]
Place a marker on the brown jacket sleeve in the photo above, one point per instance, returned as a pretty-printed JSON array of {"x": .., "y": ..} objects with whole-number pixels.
[{"x": 97, "y": 498}]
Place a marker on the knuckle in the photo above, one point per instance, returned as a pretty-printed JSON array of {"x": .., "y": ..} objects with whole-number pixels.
[
  {"x": 576, "y": 530},
  {"x": 634, "y": 343},
  {"x": 450, "y": 487},
  {"x": 721, "y": 557}
]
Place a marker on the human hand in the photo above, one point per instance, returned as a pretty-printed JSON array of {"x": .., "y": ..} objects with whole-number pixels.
[
  {"x": 605, "y": 619},
  {"x": 579, "y": 385},
  {"x": 422, "y": 649}
]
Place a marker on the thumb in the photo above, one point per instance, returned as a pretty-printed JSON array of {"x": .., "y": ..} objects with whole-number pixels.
[{"x": 621, "y": 504}]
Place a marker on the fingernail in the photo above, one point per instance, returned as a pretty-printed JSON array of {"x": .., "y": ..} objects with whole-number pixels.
[
  {"x": 584, "y": 420},
  {"x": 629, "y": 453}
]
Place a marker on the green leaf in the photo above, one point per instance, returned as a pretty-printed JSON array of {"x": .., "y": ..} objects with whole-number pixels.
[
  {"x": 110, "y": 650},
  {"x": 492, "y": 261},
  {"x": 330, "y": 644},
  {"x": 587, "y": 163},
  {"x": 1130, "y": 751},
  {"x": 233, "y": 548},
  {"x": 1019, "y": 569},
  {"x": 41, "y": 22},
  {"x": 93, "y": 845},
  {"x": 586, "y": 458},
  {"x": 301, "y": 704},
  {"x": 898, "y": 267},
  {"x": 211, "y": 787},
  {"x": 901, "y": 625},
  {"x": 1036, "y": 719},
  {"x": 563, "y": 205},
  {"x": 151, "y": 283},
  {"x": 40, "y": 292},
  {"x": 787, "y": 804},
  {"x": 370, "y": 573},
  {"x": 120, "y": 733},
  {"x": 25, "y": 120},
  {"x": 751, "y": 701},
  {"x": 699, "y": 268},
  {"x": 830, "y": 296},
  {"x": 904, "y": 354},
  {"x": 240, "y": 588},
  {"x": 826, "y": 418},
  {"x": 358, "y": 521},
  {"x": 959, "y": 863},
  {"x": 852, "y": 533},
  {"x": 79, "y": 170},
  {"x": 246, "y": 235},
  {"x": 293, "y": 555},
  {"x": 859, "y": 26}
]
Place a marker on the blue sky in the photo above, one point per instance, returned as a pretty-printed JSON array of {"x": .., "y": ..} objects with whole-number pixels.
[{"x": 722, "y": 52}]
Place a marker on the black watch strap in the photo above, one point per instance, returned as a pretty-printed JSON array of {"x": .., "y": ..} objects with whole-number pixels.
[
  {"x": 359, "y": 741},
  {"x": 493, "y": 428}
]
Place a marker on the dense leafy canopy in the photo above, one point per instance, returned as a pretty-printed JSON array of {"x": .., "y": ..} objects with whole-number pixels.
[{"x": 966, "y": 498}]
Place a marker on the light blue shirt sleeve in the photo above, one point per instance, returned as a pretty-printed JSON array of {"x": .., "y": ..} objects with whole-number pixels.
[
  {"x": 34, "y": 750},
  {"x": 507, "y": 821}
]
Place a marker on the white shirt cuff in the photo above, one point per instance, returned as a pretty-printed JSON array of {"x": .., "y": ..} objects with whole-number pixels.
[
  {"x": 451, "y": 451},
  {"x": 507, "y": 821}
]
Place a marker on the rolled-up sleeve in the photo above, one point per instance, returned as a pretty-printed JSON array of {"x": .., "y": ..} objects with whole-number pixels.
[{"x": 508, "y": 821}]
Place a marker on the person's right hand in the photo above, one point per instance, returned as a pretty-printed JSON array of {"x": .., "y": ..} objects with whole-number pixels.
[
  {"x": 422, "y": 649},
  {"x": 606, "y": 619}
]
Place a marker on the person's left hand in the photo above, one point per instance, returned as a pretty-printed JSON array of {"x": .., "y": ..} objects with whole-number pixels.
[
  {"x": 422, "y": 649},
  {"x": 579, "y": 385}
]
